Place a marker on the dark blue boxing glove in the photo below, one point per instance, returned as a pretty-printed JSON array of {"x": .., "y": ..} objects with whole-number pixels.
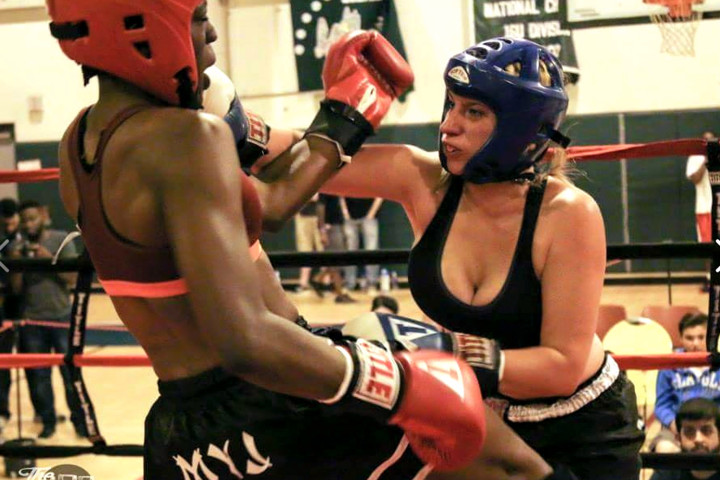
[
  {"x": 251, "y": 133},
  {"x": 401, "y": 333}
]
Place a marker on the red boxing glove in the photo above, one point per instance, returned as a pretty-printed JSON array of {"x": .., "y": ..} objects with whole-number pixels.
[
  {"x": 362, "y": 75},
  {"x": 442, "y": 410},
  {"x": 362, "y": 69},
  {"x": 433, "y": 396}
]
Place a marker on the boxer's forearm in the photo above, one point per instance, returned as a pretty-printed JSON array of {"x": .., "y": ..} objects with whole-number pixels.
[
  {"x": 274, "y": 166},
  {"x": 311, "y": 162}
]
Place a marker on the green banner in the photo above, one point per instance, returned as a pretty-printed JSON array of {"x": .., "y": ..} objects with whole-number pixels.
[
  {"x": 317, "y": 24},
  {"x": 542, "y": 21}
]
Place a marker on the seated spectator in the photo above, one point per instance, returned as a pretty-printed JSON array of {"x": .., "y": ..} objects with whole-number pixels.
[
  {"x": 385, "y": 304},
  {"x": 682, "y": 384},
  {"x": 698, "y": 421}
]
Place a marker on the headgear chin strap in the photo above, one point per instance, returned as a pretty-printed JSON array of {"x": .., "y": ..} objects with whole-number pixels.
[
  {"x": 145, "y": 42},
  {"x": 527, "y": 112}
]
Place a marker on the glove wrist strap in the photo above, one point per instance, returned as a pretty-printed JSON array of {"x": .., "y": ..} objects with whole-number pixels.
[
  {"x": 342, "y": 124},
  {"x": 342, "y": 158},
  {"x": 345, "y": 384},
  {"x": 378, "y": 375},
  {"x": 485, "y": 357},
  {"x": 501, "y": 366},
  {"x": 373, "y": 386}
]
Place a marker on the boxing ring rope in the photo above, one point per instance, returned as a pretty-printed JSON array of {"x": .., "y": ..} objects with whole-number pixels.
[
  {"x": 659, "y": 361},
  {"x": 8, "y": 324},
  {"x": 294, "y": 259},
  {"x": 668, "y": 148},
  {"x": 282, "y": 259},
  {"x": 636, "y": 362}
]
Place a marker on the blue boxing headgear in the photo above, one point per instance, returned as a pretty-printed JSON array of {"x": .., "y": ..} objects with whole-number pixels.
[{"x": 527, "y": 112}]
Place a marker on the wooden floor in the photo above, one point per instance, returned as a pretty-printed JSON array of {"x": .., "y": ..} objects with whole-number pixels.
[{"x": 122, "y": 396}]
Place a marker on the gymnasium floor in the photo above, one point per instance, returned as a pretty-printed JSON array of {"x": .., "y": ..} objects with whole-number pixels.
[{"x": 122, "y": 396}]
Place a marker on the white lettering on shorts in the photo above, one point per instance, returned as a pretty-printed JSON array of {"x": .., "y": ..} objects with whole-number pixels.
[{"x": 196, "y": 469}]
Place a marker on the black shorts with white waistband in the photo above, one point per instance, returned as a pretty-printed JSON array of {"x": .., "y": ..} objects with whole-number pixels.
[
  {"x": 601, "y": 440},
  {"x": 215, "y": 425}
]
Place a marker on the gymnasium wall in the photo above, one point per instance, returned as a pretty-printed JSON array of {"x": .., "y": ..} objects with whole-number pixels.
[{"x": 628, "y": 91}]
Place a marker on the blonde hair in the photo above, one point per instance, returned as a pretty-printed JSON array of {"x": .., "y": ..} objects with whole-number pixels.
[
  {"x": 557, "y": 166},
  {"x": 443, "y": 179},
  {"x": 545, "y": 78}
]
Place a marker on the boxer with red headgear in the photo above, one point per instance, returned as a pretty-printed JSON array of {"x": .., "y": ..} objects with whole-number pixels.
[
  {"x": 510, "y": 256},
  {"x": 168, "y": 219}
]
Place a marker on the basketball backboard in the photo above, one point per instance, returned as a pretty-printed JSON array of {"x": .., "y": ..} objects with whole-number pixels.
[{"x": 593, "y": 10}]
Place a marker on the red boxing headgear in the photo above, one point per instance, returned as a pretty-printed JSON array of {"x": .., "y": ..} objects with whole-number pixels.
[{"x": 145, "y": 42}]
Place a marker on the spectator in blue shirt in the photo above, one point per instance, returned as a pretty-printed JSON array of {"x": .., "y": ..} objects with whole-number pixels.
[{"x": 682, "y": 384}]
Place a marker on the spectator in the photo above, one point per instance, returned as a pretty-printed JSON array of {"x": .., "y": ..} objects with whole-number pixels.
[
  {"x": 46, "y": 298},
  {"x": 308, "y": 239},
  {"x": 682, "y": 384},
  {"x": 333, "y": 228},
  {"x": 360, "y": 222},
  {"x": 385, "y": 304},
  {"x": 696, "y": 172},
  {"x": 698, "y": 421},
  {"x": 10, "y": 222}
]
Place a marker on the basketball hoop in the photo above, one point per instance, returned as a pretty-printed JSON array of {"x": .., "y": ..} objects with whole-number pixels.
[{"x": 678, "y": 24}]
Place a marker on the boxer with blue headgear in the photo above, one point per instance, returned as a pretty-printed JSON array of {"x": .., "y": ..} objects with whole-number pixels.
[
  {"x": 528, "y": 110},
  {"x": 509, "y": 259}
]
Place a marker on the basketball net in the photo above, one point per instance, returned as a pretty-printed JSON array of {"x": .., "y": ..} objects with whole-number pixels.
[{"x": 677, "y": 26}]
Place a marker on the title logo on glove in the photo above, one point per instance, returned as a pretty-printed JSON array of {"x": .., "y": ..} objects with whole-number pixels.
[
  {"x": 258, "y": 132},
  {"x": 379, "y": 377}
]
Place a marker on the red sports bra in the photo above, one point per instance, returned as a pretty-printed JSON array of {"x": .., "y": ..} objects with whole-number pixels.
[{"x": 126, "y": 268}]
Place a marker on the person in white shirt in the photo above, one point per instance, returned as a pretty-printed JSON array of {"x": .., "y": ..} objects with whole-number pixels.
[{"x": 696, "y": 172}]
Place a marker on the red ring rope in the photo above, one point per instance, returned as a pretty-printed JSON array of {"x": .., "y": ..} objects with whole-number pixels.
[{"x": 34, "y": 360}]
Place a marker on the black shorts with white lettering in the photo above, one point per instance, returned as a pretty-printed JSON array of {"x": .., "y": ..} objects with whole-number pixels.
[{"x": 215, "y": 425}]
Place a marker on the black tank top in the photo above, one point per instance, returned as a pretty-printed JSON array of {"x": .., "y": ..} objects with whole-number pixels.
[{"x": 515, "y": 315}]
